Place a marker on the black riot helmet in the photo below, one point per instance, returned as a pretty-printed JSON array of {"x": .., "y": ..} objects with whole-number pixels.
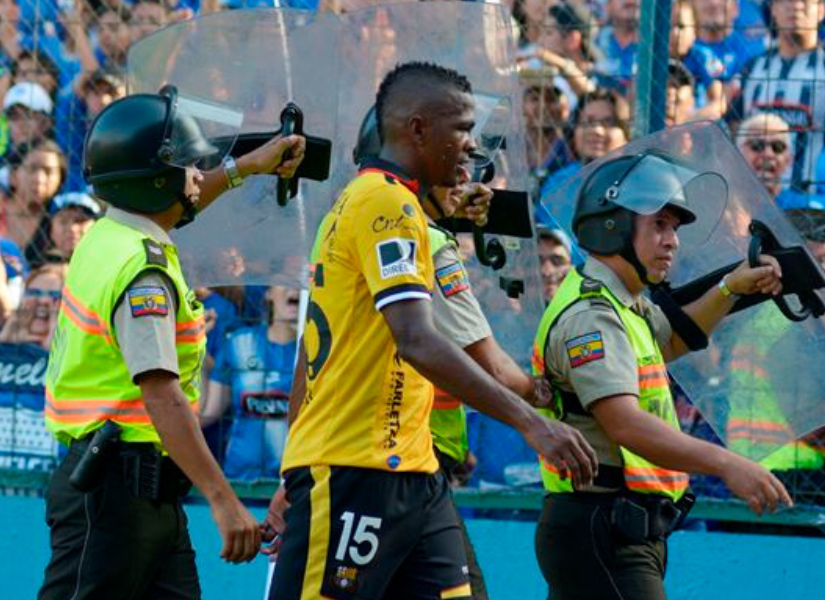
[
  {"x": 369, "y": 141},
  {"x": 623, "y": 187},
  {"x": 138, "y": 148}
]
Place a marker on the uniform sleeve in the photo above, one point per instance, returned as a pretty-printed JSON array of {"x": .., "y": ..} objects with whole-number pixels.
[
  {"x": 456, "y": 310},
  {"x": 144, "y": 323},
  {"x": 590, "y": 351},
  {"x": 392, "y": 247}
]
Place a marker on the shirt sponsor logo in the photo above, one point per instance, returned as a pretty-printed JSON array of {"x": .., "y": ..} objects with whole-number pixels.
[
  {"x": 396, "y": 257},
  {"x": 452, "y": 279},
  {"x": 392, "y": 411},
  {"x": 585, "y": 348},
  {"x": 345, "y": 578},
  {"x": 382, "y": 223},
  {"x": 147, "y": 300},
  {"x": 394, "y": 461}
]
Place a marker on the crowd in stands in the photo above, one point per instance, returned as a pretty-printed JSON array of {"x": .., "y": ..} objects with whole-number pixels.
[{"x": 756, "y": 67}]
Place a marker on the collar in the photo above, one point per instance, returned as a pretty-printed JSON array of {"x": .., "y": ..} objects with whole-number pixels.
[
  {"x": 598, "y": 270},
  {"x": 390, "y": 169},
  {"x": 140, "y": 222}
]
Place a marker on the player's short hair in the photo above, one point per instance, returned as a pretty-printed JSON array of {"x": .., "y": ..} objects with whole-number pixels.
[{"x": 399, "y": 82}]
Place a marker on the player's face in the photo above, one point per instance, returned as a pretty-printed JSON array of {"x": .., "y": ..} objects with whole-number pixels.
[
  {"x": 450, "y": 141},
  {"x": 656, "y": 241}
]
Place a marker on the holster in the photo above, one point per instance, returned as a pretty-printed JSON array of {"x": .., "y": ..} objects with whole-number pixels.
[{"x": 639, "y": 519}]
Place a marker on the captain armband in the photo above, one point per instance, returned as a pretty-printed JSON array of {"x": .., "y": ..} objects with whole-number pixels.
[{"x": 682, "y": 324}]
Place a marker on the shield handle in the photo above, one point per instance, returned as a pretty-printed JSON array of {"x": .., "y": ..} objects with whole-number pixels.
[{"x": 764, "y": 241}]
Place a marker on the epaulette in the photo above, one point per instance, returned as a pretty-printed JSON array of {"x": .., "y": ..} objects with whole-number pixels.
[
  {"x": 590, "y": 288},
  {"x": 154, "y": 253}
]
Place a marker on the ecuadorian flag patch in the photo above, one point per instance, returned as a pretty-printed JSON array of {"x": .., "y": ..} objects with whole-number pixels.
[
  {"x": 452, "y": 279},
  {"x": 148, "y": 301},
  {"x": 585, "y": 348}
]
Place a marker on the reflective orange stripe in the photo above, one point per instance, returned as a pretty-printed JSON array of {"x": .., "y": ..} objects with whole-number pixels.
[
  {"x": 758, "y": 431},
  {"x": 190, "y": 332},
  {"x": 655, "y": 479},
  {"x": 652, "y": 376},
  {"x": 443, "y": 401},
  {"x": 130, "y": 410},
  {"x": 83, "y": 318}
]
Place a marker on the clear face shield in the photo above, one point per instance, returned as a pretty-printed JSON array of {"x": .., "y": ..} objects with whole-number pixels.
[{"x": 198, "y": 132}]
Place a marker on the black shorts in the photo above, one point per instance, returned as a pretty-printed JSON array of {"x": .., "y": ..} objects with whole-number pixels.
[{"x": 363, "y": 534}]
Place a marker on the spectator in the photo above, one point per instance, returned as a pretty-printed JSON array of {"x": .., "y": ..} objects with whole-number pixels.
[
  {"x": 679, "y": 100},
  {"x": 700, "y": 61},
  {"x": 113, "y": 36},
  {"x": 34, "y": 321},
  {"x": 35, "y": 180},
  {"x": 70, "y": 217},
  {"x": 554, "y": 259},
  {"x": 618, "y": 43},
  {"x": 15, "y": 269},
  {"x": 28, "y": 109},
  {"x": 546, "y": 110},
  {"x": 94, "y": 92},
  {"x": 37, "y": 67},
  {"x": 564, "y": 44},
  {"x": 253, "y": 373},
  {"x": 789, "y": 80},
  {"x": 764, "y": 140},
  {"x": 24, "y": 341},
  {"x": 600, "y": 124},
  {"x": 10, "y": 41},
  {"x": 729, "y": 46}
]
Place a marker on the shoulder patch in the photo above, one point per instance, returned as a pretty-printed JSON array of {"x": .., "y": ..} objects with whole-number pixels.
[
  {"x": 585, "y": 348},
  {"x": 148, "y": 300},
  {"x": 154, "y": 253},
  {"x": 452, "y": 279}
]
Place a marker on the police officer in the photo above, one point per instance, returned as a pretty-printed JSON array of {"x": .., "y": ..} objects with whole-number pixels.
[
  {"x": 124, "y": 370},
  {"x": 603, "y": 346}
]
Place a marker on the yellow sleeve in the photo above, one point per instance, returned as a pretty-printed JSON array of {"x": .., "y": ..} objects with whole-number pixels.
[{"x": 392, "y": 246}]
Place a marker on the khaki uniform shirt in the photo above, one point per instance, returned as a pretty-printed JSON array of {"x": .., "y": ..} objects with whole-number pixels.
[
  {"x": 615, "y": 373},
  {"x": 456, "y": 311},
  {"x": 146, "y": 342}
]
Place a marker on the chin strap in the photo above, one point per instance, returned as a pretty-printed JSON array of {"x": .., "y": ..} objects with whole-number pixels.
[
  {"x": 629, "y": 254},
  {"x": 189, "y": 211}
]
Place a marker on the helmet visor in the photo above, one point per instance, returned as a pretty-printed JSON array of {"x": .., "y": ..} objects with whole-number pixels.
[
  {"x": 492, "y": 117},
  {"x": 654, "y": 182},
  {"x": 200, "y": 133}
]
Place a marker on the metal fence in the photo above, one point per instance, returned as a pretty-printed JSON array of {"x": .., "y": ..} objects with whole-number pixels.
[{"x": 595, "y": 73}]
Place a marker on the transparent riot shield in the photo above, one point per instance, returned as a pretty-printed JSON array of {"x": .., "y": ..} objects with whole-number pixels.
[
  {"x": 757, "y": 383},
  {"x": 256, "y": 61},
  {"x": 476, "y": 39}
]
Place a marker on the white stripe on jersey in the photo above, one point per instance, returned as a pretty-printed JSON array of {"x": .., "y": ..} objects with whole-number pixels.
[{"x": 795, "y": 90}]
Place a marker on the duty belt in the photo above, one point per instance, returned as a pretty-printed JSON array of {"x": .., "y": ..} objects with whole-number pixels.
[{"x": 146, "y": 472}]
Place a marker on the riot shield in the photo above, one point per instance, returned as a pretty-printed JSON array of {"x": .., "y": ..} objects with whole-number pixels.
[
  {"x": 256, "y": 61},
  {"x": 754, "y": 383},
  {"x": 477, "y": 40}
]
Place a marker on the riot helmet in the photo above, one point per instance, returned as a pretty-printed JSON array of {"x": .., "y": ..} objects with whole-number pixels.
[
  {"x": 623, "y": 187},
  {"x": 138, "y": 148},
  {"x": 369, "y": 140}
]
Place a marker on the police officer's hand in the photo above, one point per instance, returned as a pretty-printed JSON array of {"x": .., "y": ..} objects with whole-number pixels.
[
  {"x": 564, "y": 448},
  {"x": 754, "y": 484},
  {"x": 274, "y": 524},
  {"x": 475, "y": 202},
  {"x": 765, "y": 279},
  {"x": 279, "y": 156},
  {"x": 238, "y": 528}
]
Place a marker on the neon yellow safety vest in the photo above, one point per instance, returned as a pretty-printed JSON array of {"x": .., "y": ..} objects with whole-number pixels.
[
  {"x": 448, "y": 421},
  {"x": 756, "y": 426},
  {"x": 654, "y": 391},
  {"x": 87, "y": 382}
]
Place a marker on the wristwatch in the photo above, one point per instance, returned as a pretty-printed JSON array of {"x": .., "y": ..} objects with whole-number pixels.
[
  {"x": 725, "y": 290},
  {"x": 233, "y": 176}
]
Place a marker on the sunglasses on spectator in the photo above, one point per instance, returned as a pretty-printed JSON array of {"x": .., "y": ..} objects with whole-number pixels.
[
  {"x": 777, "y": 146},
  {"x": 35, "y": 293}
]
